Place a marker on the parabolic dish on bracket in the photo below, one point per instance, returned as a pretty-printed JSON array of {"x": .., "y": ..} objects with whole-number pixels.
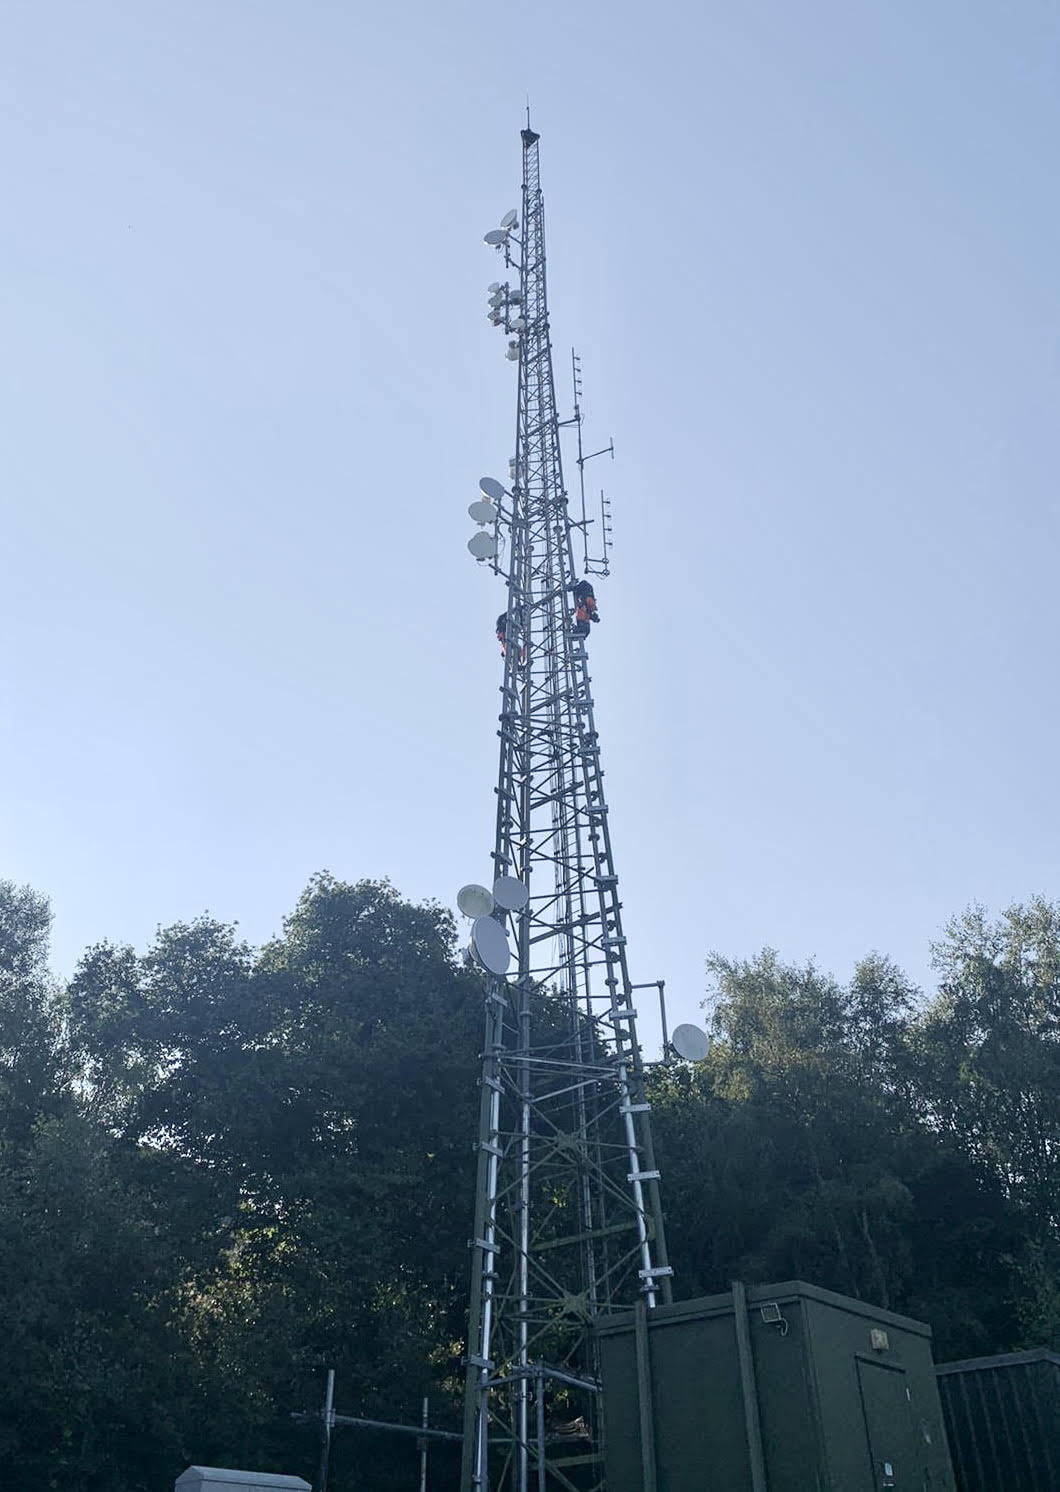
[
  {"x": 491, "y": 487},
  {"x": 490, "y": 943},
  {"x": 690, "y": 1043},
  {"x": 482, "y": 545},
  {"x": 495, "y": 237},
  {"x": 474, "y": 900},
  {"x": 510, "y": 219},
  {"x": 482, "y": 512},
  {"x": 510, "y": 894}
]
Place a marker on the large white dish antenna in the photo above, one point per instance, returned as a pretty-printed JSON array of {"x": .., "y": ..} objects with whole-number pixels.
[
  {"x": 690, "y": 1043},
  {"x": 510, "y": 219},
  {"x": 495, "y": 238},
  {"x": 491, "y": 487},
  {"x": 490, "y": 942},
  {"x": 474, "y": 900},
  {"x": 482, "y": 545},
  {"x": 510, "y": 894},
  {"x": 482, "y": 512}
]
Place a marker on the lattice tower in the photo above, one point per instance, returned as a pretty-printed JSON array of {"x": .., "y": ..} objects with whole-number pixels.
[{"x": 568, "y": 1224}]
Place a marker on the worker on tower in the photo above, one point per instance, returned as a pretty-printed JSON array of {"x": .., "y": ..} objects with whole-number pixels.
[
  {"x": 585, "y": 610},
  {"x": 502, "y": 638}
]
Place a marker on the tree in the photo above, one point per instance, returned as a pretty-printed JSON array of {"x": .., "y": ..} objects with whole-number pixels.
[
  {"x": 305, "y": 1113},
  {"x": 798, "y": 1150},
  {"x": 989, "y": 1053},
  {"x": 223, "y": 1170},
  {"x": 33, "y": 1070},
  {"x": 990, "y": 1047}
]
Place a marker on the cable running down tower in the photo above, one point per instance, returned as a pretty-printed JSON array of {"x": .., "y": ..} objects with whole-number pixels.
[{"x": 568, "y": 1224}]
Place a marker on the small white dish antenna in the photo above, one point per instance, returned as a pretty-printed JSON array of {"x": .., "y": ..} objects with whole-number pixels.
[
  {"x": 690, "y": 1043},
  {"x": 496, "y": 238},
  {"x": 482, "y": 545},
  {"x": 491, "y": 487},
  {"x": 515, "y": 297},
  {"x": 493, "y": 287},
  {"x": 490, "y": 942},
  {"x": 474, "y": 900},
  {"x": 512, "y": 353},
  {"x": 519, "y": 323},
  {"x": 510, "y": 894},
  {"x": 482, "y": 512},
  {"x": 510, "y": 219}
]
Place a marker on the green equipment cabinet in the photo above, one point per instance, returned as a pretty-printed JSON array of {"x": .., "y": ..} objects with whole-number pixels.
[{"x": 775, "y": 1388}]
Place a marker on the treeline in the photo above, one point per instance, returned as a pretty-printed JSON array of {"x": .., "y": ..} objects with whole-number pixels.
[{"x": 223, "y": 1169}]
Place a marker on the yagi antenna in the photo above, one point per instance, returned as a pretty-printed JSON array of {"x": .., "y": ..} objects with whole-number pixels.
[{"x": 601, "y": 565}]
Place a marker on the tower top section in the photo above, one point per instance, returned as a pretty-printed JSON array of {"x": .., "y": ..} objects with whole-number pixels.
[{"x": 518, "y": 305}]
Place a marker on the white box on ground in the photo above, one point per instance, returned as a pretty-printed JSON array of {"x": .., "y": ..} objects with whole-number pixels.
[{"x": 224, "y": 1479}]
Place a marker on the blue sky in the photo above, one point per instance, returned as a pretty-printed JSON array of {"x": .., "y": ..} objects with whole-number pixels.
[{"x": 809, "y": 257}]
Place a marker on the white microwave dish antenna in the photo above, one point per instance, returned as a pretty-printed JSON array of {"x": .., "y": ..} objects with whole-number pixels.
[
  {"x": 482, "y": 545},
  {"x": 490, "y": 944},
  {"x": 474, "y": 900},
  {"x": 510, "y": 893},
  {"x": 690, "y": 1043}
]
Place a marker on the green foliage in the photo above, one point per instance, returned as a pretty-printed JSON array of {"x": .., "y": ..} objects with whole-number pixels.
[
  {"x": 990, "y": 1047},
  {"x": 803, "y": 1147},
  {"x": 306, "y": 1114},
  {"x": 33, "y": 1071},
  {"x": 97, "y": 1379},
  {"x": 223, "y": 1170}
]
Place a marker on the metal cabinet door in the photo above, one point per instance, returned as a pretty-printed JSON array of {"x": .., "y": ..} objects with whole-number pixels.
[{"x": 889, "y": 1427}]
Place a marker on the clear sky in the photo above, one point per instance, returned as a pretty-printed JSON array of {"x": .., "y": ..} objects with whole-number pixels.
[{"x": 809, "y": 255}]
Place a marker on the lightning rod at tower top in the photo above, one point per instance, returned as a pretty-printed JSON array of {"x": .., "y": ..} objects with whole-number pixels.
[{"x": 568, "y": 1224}]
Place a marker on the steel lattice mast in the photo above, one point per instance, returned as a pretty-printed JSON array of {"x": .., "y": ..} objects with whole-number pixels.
[{"x": 568, "y": 1224}]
